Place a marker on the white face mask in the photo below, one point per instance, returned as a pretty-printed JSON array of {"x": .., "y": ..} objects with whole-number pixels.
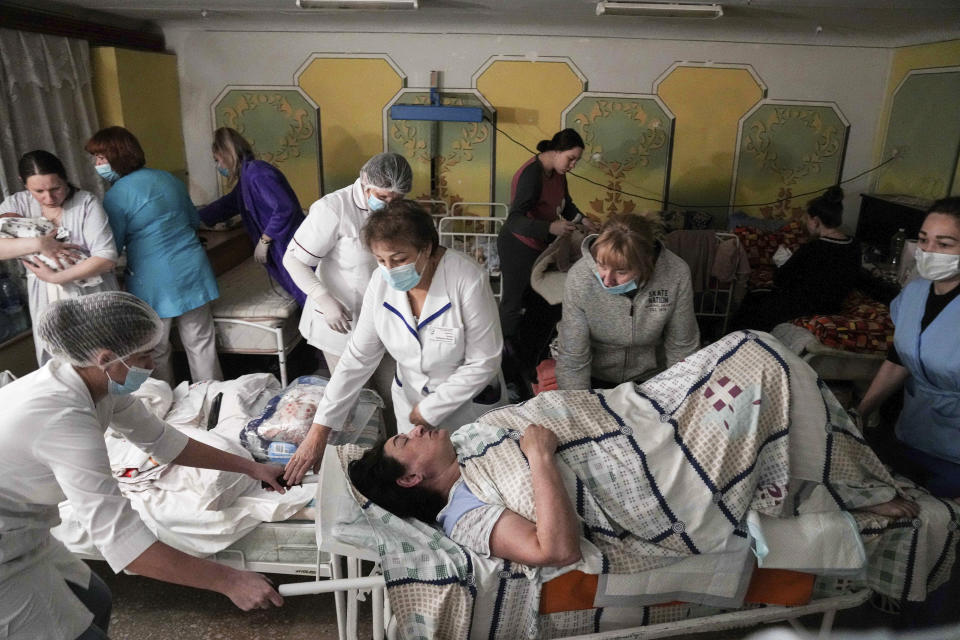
[{"x": 937, "y": 266}]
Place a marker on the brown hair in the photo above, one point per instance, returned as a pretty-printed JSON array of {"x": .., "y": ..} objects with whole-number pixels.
[
  {"x": 233, "y": 148},
  {"x": 828, "y": 207},
  {"x": 402, "y": 221},
  {"x": 120, "y": 147},
  {"x": 626, "y": 242},
  {"x": 948, "y": 207}
]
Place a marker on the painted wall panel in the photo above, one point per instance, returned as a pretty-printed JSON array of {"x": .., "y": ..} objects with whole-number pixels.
[
  {"x": 351, "y": 93},
  {"x": 628, "y": 142},
  {"x": 461, "y": 153},
  {"x": 852, "y": 77},
  {"x": 788, "y": 153},
  {"x": 924, "y": 136},
  {"x": 529, "y": 98},
  {"x": 708, "y": 103},
  {"x": 281, "y": 126},
  {"x": 140, "y": 90}
]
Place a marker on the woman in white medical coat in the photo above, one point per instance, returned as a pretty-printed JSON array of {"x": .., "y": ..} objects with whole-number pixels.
[
  {"x": 430, "y": 308},
  {"x": 52, "y": 449},
  {"x": 330, "y": 263}
]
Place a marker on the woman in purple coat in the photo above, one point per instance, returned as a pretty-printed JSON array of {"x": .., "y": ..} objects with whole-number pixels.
[{"x": 263, "y": 198}]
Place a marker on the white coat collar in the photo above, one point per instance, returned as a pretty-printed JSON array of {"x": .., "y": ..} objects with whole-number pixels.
[{"x": 357, "y": 193}]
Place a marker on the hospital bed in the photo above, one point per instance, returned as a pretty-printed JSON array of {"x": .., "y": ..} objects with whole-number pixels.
[
  {"x": 438, "y": 209},
  {"x": 897, "y": 565},
  {"x": 333, "y": 487},
  {"x": 288, "y": 547},
  {"x": 254, "y": 315},
  {"x": 477, "y": 238}
]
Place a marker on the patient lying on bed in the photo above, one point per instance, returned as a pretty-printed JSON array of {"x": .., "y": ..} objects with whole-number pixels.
[
  {"x": 646, "y": 481},
  {"x": 418, "y": 475}
]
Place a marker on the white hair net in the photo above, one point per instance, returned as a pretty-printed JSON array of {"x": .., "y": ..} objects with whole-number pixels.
[
  {"x": 77, "y": 329},
  {"x": 388, "y": 171}
]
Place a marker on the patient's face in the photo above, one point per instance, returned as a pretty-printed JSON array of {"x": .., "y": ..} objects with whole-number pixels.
[{"x": 421, "y": 450}]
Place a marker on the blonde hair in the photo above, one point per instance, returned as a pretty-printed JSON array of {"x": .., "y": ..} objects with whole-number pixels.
[
  {"x": 233, "y": 148},
  {"x": 626, "y": 242}
]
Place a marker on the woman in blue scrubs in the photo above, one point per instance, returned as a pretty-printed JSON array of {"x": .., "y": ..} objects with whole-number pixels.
[
  {"x": 153, "y": 218},
  {"x": 925, "y": 359}
]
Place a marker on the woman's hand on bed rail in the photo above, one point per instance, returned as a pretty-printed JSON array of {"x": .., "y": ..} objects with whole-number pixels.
[
  {"x": 271, "y": 477},
  {"x": 249, "y": 590}
]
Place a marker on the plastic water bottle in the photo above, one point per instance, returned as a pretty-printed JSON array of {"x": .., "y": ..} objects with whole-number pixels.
[
  {"x": 280, "y": 452},
  {"x": 13, "y": 314},
  {"x": 896, "y": 245}
]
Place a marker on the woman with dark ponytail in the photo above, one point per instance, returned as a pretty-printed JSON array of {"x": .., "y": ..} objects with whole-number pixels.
[
  {"x": 816, "y": 278},
  {"x": 540, "y": 211}
]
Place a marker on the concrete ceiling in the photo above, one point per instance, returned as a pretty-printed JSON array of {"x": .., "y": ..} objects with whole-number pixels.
[{"x": 881, "y": 23}]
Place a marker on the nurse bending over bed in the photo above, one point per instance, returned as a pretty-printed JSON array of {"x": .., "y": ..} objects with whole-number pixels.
[
  {"x": 432, "y": 310},
  {"x": 52, "y": 447}
]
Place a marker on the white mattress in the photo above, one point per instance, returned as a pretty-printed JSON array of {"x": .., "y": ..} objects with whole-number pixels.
[{"x": 247, "y": 294}]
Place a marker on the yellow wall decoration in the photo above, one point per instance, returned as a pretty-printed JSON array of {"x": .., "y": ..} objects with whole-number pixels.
[
  {"x": 351, "y": 92},
  {"x": 140, "y": 90},
  {"x": 529, "y": 98},
  {"x": 708, "y": 102}
]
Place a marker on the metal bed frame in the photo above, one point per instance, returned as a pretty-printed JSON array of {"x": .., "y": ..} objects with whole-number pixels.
[{"x": 472, "y": 232}]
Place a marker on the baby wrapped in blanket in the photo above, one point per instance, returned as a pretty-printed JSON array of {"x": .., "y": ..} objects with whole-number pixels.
[{"x": 18, "y": 227}]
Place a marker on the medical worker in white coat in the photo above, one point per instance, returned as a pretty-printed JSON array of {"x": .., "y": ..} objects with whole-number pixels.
[
  {"x": 432, "y": 309},
  {"x": 52, "y": 449},
  {"x": 330, "y": 263}
]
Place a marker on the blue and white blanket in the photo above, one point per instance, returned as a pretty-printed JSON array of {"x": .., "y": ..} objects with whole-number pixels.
[{"x": 738, "y": 449}]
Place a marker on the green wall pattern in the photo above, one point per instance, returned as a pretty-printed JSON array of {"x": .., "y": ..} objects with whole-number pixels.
[
  {"x": 786, "y": 149},
  {"x": 461, "y": 153},
  {"x": 628, "y": 142},
  {"x": 924, "y": 135},
  {"x": 282, "y": 127}
]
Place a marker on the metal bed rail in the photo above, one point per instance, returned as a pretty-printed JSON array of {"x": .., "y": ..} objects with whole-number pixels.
[
  {"x": 496, "y": 209},
  {"x": 476, "y": 237}
]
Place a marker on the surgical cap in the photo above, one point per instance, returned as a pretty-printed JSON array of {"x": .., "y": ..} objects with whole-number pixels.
[
  {"x": 388, "y": 171},
  {"x": 78, "y": 329}
]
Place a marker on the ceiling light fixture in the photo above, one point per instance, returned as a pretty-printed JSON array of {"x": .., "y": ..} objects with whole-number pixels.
[
  {"x": 368, "y": 5},
  {"x": 659, "y": 9}
]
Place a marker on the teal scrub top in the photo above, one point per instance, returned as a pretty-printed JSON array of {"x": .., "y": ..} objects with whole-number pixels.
[{"x": 153, "y": 218}]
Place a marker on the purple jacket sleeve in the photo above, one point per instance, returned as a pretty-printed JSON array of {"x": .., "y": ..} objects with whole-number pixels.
[{"x": 221, "y": 208}]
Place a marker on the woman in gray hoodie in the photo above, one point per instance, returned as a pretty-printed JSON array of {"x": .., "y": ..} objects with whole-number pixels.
[{"x": 628, "y": 297}]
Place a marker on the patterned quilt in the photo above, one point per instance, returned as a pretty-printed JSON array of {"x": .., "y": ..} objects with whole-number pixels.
[{"x": 662, "y": 474}]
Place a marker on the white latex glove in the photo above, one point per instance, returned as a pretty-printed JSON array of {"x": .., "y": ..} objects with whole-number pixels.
[
  {"x": 260, "y": 252},
  {"x": 337, "y": 316}
]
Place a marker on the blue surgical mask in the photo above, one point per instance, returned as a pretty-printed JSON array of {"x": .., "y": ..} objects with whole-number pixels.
[
  {"x": 106, "y": 172},
  {"x": 618, "y": 289},
  {"x": 223, "y": 171},
  {"x": 402, "y": 278},
  {"x": 135, "y": 378},
  {"x": 374, "y": 203}
]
